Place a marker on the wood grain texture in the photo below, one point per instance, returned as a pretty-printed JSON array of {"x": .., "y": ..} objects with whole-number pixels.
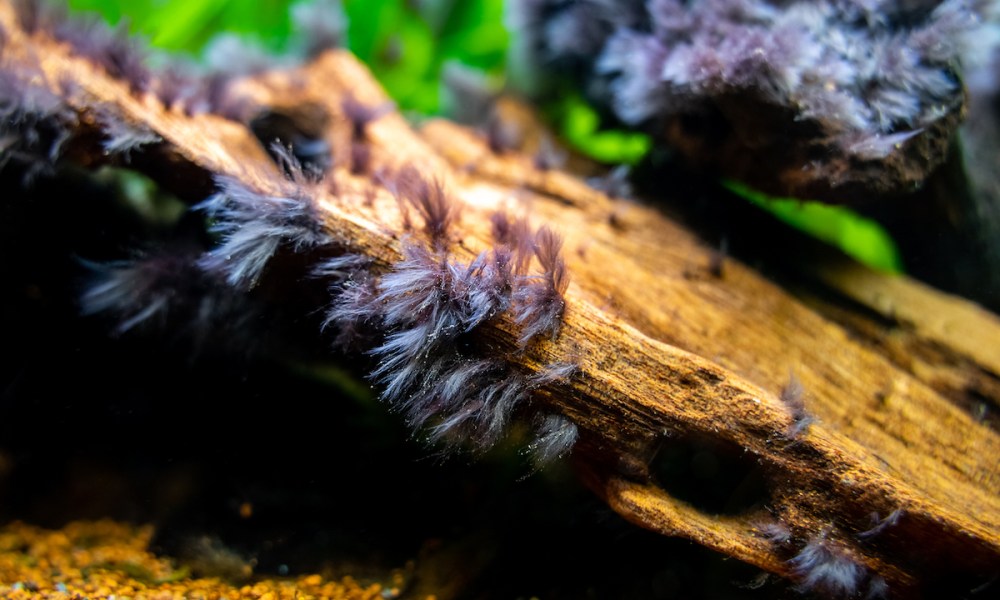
[{"x": 666, "y": 349}]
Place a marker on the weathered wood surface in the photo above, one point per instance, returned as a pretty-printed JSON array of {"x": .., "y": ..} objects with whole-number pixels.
[
  {"x": 655, "y": 275},
  {"x": 666, "y": 349}
]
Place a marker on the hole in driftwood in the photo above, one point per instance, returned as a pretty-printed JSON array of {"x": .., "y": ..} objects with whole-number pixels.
[
  {"x": 301, "y": 130},
  {"x": 712, "y": 476}
]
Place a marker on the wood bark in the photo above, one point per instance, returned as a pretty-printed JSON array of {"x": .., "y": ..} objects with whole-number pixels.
[{"x": 668, "y": 348}]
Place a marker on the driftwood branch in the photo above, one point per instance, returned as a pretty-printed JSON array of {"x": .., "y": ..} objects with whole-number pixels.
[{"x": 667, "y": 347}]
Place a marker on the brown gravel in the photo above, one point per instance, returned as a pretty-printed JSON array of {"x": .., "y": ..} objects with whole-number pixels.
[{"x": 110, "y": 560}]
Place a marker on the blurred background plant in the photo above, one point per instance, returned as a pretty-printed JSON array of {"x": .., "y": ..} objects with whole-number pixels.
[{"x": 405, "y": 43}]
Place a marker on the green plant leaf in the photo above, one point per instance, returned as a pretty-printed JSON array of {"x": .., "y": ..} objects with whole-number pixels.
[
  {"x": 861, "y": 238},
  {"x": 580, "y": 125}
]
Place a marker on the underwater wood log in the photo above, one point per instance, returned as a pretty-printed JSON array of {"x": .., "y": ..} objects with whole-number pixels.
[
  {"x": 665, "y": 347},
  {"x": 774, "y": 96}
]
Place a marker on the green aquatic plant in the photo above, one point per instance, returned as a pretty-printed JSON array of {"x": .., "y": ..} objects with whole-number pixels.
[
  {"x": 863, "y": 239},
  {"x": 581, "y": 127},
  {"x": 406, "y": 44}
]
